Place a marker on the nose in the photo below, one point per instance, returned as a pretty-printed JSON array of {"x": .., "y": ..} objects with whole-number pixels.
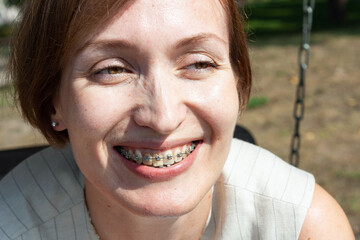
[{"x": 164, "y": 108}]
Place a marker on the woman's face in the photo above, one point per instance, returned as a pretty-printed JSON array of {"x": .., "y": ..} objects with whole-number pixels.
[{"x": 153, "y": 85}]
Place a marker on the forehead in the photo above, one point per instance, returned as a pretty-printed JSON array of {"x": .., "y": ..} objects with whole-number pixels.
[{"x": 159, "y": 21}]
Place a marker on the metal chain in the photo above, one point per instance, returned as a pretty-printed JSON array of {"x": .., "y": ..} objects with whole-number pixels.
[{"x": 308, "y": 7}]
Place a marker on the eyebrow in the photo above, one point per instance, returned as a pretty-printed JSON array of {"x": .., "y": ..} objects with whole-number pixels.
[
  {"x": 199, "y": 38},
  {"x": 118, "y": 44},
  {"x": 107, "y": 45}
]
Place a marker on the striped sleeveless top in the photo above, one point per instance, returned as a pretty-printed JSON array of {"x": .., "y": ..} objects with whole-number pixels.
[{"x": 258, "y": 196}]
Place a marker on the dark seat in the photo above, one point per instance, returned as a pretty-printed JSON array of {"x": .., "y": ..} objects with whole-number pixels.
[
  {"x": 10, "y": 158},
  {"x": 244, "y": 134}
]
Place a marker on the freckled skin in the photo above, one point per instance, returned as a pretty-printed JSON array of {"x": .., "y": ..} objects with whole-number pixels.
[
  {"x": 205, "y": 108},
  {"x": 161, "y": 98}
]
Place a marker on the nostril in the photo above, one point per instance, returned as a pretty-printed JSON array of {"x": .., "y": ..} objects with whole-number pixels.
[{"x": 160, "y": 118}]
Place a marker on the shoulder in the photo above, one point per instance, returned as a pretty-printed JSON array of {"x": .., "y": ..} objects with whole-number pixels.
[
  {"x": 40, "y": 188},
  {"x": 266, "y": 198},
  {"x": 254, "y": 169},
  {"x": 325, "y": 219},
  {"x": 41, "y": 167},
  {"x": 48, "y": 167}
]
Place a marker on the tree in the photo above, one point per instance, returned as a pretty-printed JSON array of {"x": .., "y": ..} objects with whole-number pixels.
[{"x": 337, "y": 10}]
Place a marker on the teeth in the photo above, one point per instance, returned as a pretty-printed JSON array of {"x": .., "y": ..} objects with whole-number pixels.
[
  {"x": 123, "y": 152},
  {"x": 192, "y": 147},
  {"x": 147, "y": 159},
  {"x": 157, "y": 159},
  {"x": 178, "y": 155},
  {"x": 168, "y": 158},
  {"x": 138, "y": 158},
  {"x": 129, "y": 154},
  {"x": 186, "y": 151}
]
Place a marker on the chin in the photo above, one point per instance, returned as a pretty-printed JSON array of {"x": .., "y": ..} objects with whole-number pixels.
[
  {"x": 169, "y": 199},
  {"x": 158, "y": 209}
]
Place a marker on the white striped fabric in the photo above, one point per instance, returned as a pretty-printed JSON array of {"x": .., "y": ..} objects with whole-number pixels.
[
  {"x": 265, "y": 198},
  {"x": 258, "y": 197},
  {"x": 42, "y": 198}
]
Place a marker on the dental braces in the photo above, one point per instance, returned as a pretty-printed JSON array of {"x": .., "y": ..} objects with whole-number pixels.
[{"x": 147, "y": 158}]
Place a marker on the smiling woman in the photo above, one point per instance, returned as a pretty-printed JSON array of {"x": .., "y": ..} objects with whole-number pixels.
[{"x": 141, "y": 99}]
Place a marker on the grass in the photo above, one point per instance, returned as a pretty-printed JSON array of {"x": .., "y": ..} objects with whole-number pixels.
[
  {"x": 352, "y": 175},
  {"x": 255, "y": 102},
  {"x": 354, "y": 204}
]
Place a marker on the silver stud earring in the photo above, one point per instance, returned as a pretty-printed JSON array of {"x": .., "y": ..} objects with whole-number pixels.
[{"x": 53, "y": 124}]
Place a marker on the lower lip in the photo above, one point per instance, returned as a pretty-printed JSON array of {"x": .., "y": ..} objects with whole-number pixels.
[{"x": 161, "y": 174}]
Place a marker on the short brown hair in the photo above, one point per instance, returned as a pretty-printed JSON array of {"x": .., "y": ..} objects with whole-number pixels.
[{"x": 49, "y": 31}]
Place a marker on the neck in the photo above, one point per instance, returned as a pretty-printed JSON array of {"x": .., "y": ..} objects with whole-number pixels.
[{"x": 112, "y": 221}]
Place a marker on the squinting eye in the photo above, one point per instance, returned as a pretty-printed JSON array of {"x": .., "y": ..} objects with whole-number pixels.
[
  {"x": 112, "y": 70},
  {"x": 202, "y": 65}
]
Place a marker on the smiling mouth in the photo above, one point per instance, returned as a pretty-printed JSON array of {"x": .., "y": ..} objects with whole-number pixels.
[{"x": 157, "y": 159}]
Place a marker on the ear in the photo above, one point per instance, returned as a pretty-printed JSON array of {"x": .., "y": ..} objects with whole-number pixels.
[{"x": 57, "y": 120}]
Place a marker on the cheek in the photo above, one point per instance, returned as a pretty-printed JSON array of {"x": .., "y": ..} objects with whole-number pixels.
[
  {"x": 93, "y": 109},
  {"x": 218, "y": 104}
]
